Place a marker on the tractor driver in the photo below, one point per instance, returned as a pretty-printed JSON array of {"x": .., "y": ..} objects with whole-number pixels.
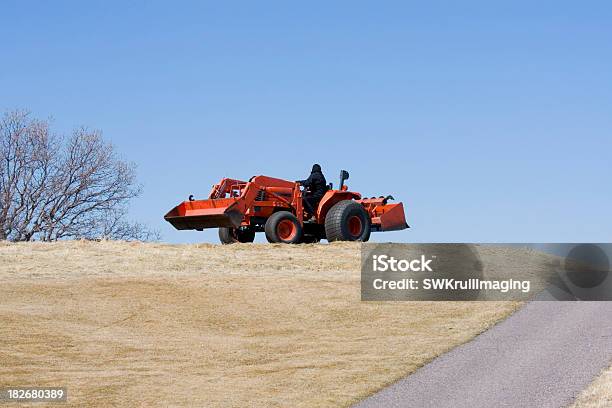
[{"x": 317, "y": 186}]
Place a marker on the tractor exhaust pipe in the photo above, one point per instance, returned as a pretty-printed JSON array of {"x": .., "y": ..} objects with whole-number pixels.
[{"x": 344, "y": 175}]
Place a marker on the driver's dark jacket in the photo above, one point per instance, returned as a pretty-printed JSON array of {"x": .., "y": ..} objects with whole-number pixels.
[{"x": 315, "y": 183}]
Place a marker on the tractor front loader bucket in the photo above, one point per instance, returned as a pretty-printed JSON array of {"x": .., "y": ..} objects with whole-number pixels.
[{"x": 200, "y": 214}]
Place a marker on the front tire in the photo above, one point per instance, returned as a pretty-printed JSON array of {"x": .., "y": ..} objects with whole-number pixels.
[
  {"x": 347, "y": 221},
  {"x": 234, "y": 235},
  {"x": 283, "y": 227}
]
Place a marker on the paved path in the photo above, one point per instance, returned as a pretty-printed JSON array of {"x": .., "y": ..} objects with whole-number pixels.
[{"x": 542, "y": 356}]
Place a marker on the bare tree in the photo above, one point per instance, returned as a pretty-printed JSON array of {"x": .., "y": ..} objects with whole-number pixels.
[{"x": 54, "y": 187}]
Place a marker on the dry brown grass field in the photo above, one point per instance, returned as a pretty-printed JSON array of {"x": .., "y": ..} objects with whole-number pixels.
[{"x": 136, "y": 324}]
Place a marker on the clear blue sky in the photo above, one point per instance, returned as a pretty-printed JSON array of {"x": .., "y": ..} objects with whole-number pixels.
[{"x": 490, "y": 120}]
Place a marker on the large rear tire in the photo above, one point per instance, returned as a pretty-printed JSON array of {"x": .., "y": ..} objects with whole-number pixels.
[
  {"x": 234, "y": 235},
  {"x": 283, "y": 227},
  {"x": 347, "y": 221}
]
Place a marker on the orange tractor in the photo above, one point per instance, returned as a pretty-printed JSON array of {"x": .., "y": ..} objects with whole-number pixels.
[{"x": 274, "y": 206}]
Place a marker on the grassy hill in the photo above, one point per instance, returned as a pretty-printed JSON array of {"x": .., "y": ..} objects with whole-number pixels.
[{"x": 209, "y": 325}]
